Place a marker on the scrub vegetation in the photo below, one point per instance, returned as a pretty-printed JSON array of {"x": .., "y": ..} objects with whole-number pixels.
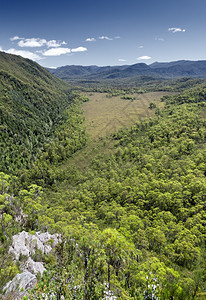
[{"x": 128, "y": 199}]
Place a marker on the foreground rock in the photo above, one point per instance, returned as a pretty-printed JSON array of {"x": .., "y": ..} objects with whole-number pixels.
[
  {"x": 24, "y": 248},
  {"x": 23, "y": 281},
  {"x": 26, "y": 244}
]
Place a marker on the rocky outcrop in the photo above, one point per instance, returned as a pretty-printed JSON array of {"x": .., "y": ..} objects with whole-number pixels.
[
  {"x": 24, "y": 247},
  {"x": 33, "y": 266},
  {"x": 26, "y": 244},
  {"x": 21, "y": 282}
]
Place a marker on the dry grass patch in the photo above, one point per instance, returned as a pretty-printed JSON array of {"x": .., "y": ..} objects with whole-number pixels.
[
  {"x": 107, "y": 115},
  {"x": 104, "y": 116}
]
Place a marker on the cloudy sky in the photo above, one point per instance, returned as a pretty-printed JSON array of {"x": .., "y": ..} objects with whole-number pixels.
[{"x": 109, "y": 32}]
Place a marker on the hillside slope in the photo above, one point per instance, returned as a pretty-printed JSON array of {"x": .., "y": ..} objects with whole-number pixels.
[{"x": 32, "y": 102}]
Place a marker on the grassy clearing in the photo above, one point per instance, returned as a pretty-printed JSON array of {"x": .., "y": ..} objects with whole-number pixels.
[{"x": 105, "y": 115}]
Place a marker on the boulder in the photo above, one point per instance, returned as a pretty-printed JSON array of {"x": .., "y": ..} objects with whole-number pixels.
[
  {"x": 21, "y": 282},
  {"x": 33, "y": 266},
  {"x": 25, "y": 243}
]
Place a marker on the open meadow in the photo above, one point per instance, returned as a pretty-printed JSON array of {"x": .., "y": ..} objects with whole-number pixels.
[{"x": 105, "y": 115}]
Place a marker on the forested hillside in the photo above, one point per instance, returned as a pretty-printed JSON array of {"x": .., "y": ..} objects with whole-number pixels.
[
  {"x": 33, "y": 104},
  {"x": 41, "y": 125},
  {"x": 132, "y": 222}
]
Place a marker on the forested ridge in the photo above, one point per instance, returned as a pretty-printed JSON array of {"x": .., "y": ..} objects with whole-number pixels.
[
  {"x": 132, "y": 223},
  {"x": 175, "y": 69},
  {"x": 33, "y": 104}
]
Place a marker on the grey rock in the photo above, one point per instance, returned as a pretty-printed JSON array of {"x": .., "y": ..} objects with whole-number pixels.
[
  {"x": 19, "y": 246},
  {"x": 26, "y": 244},
  {"x": 21, "y": 282},
  {"x": 33, "y": 266},
  {"x": 14, "y": 296}
]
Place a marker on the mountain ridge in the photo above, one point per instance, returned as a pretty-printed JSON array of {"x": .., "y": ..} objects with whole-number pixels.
[
  {"x": 173, "y": 69},
  {"x": 32, "y": 104}
]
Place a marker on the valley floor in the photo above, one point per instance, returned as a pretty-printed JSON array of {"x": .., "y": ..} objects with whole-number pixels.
[{"x": 105, "y": 115}]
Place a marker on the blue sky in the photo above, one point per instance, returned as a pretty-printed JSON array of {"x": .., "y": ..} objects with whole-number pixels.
[{"x": 109, "y": 32}]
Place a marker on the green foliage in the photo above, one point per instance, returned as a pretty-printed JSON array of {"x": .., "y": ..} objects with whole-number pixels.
[
  {"x": 140, "y": 209},
  {"x": 67, "y": 139},
  {"x": 128, "y": 97},
  {"x": 40, "y": 126},
  {"x": 32, "y": 107},
  {"x": 9, "y": 210},
  {"x": 132, "y": 223},
  {"x": 152, "y": 105}
]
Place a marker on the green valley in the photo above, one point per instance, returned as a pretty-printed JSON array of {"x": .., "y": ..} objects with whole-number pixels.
[{"x": 119, "y": 174}]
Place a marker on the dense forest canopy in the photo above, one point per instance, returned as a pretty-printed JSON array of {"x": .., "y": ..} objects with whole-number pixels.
[
  {"x": 133, "y": 221},
  {"x": 33, "y": 104}
]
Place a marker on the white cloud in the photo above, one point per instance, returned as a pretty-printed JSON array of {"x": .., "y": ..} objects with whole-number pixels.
[
  {"x": 36, "y": 42},
  {"x": 15, "y": 38},
  {"x": 102, "y": 37},
  {"x": 159, "y": 39},
  {"x": 121, "y": 59},
  {"x": 79, "y": 49},
  {"x": 144, "y": 57},
  {"x": 56, "y": 51},
  {"x": 41, "y": 42},
  {"x": 25, "y": 54},
  {"x": 105, "y": 38},
  {"x": 90, "y": 40},
  {"x": 33, "y": 42},
  {"x": 140, "y": 47},
  {"x": 54, "y": 44},
  {"x": 60, "y": 51},
  {"x": 1, "y": 48},
  {"x": 175, "y": 29}
]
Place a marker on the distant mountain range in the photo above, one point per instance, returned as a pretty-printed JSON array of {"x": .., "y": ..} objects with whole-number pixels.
[{"x": 176, "y": 69}]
